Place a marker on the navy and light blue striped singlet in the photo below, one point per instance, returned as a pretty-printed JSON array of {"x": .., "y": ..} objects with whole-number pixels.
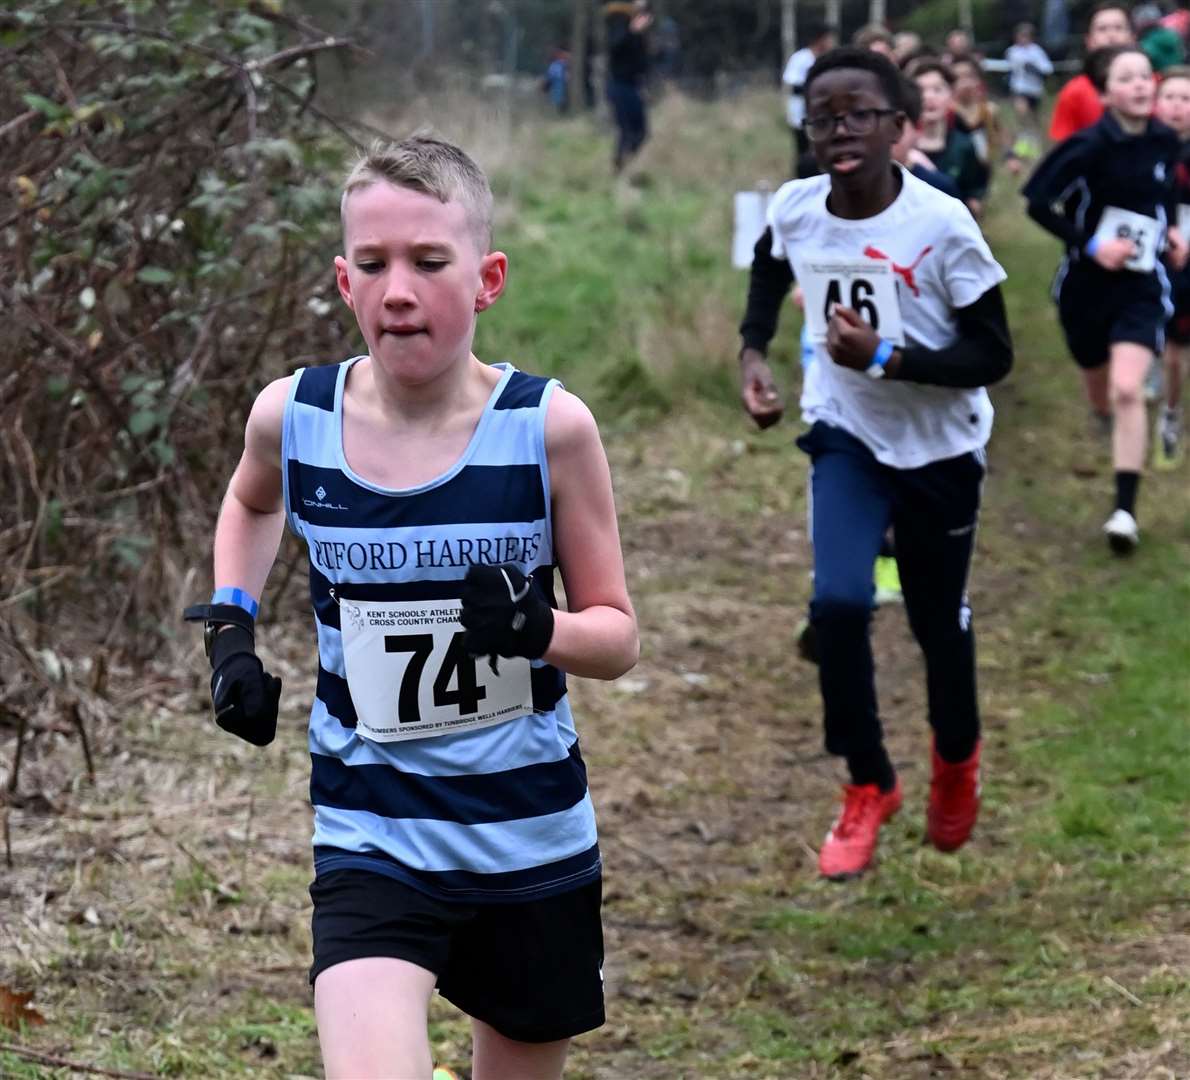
[{"x": 496, "y": 814}]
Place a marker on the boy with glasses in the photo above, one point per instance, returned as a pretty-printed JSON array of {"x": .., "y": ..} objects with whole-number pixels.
[{"x": 903, "y": 301}]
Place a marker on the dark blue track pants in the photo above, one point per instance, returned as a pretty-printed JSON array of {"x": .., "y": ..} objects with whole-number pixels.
[
  {"x": 628, "y": 108},
  {"x": 933, "y": 512}
]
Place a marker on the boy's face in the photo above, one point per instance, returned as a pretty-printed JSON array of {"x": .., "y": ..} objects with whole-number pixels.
[
  {"x": 936, "y": 96},
  {"x": 907, "y": 141},
  {"x": 855, "y": 160},
  {"x": 415, "y": 279},
  {"x": 1130, "y": 86},
  {"x": 1108, "y": 27},
  {"x": 1173, "y": 104},
  {"x": 968, "y": 86}
]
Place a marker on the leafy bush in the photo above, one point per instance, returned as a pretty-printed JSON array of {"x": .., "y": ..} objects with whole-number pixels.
[{"x": 166, "y": 250}]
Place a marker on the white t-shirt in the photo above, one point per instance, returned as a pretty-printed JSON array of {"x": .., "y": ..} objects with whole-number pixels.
[
  {"x": 1029, "y": 65},
  {"x": 795, "y": 74},
  {"x": 940, "y": 261}
]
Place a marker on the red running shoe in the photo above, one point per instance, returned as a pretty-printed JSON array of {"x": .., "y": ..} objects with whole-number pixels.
[
  {"x": 954, "y": 801},
  {"x": 848, "y": 847}
]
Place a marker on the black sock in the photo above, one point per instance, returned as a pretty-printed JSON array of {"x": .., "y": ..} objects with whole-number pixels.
[
  {"x": 1126, "y": 485},
  {"x": 955, "y": 750},
  {"x": 873, "y": 767}
]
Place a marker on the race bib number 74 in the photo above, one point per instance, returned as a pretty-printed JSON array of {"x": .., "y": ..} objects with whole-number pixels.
[
  {"x": 868, "y": 287},
  {"x": 411, "y": 678}
]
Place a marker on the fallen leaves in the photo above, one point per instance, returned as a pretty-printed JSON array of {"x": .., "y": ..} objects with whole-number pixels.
[{"x": 15, "y": 1010}]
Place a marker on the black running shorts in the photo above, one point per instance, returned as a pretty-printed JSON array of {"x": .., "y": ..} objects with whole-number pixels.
[
  {"x": 533, "y": 970},
  {"x": 1099, "y": 308}
]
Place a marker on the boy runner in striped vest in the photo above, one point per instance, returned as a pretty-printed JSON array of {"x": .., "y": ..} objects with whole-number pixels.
[{"x": 454, "y": 838}]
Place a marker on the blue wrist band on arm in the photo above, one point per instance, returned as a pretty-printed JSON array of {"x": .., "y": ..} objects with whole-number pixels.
[
  {"x": 1092, "y": 246},
  {"x": 883, "y": 351},
  {"x": 229, "y": 595}
]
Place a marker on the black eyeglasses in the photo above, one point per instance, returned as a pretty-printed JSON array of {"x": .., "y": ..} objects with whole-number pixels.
[{"x": 856, "y": 121}]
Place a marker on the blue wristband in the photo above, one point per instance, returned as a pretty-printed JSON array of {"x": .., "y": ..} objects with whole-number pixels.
[
  {"x": 1092, "y": 246},
  {"x": 883, "y": 351},
  {"x": 229, "y": 595}
]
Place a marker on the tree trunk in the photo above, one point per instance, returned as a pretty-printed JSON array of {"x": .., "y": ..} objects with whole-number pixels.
[
  {"x": 580, "y": 31},
  {"x": 967, "y": 17},
  {"x": 427, "y": 28},
  {"x": 788, "y": 27},
  {"x": 877, "y": 12},
  {"x": 834, "y": 17}
]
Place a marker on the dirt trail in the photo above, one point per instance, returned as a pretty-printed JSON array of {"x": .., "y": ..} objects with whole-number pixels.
[{"x": 176, "y": 887}]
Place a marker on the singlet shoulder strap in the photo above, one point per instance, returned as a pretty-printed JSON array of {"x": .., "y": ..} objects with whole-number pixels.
[
  {"x": 316, "y": 386},
  {"x": 522, "y": 391}
]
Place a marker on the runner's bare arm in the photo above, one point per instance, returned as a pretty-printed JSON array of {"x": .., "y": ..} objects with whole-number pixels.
[
  {"x": 596, "y": 637},
  {"x": 252, "y": 517}
]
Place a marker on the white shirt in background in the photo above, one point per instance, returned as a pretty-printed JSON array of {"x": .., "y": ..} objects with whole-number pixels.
[
  {"x": 795, "y": 76},
  {"x": 1029, "y": 65}
]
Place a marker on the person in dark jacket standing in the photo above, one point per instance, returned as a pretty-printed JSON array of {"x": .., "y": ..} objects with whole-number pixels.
[{"x": 627, "y": 63}]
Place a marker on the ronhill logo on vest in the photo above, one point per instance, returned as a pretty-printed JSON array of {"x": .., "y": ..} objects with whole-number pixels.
[
  {"x": 320, "y": 495},
  {"x": 335, "y": 555}
]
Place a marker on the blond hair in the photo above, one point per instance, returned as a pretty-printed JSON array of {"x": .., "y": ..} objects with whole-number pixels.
[{"x": 433, "y": 167}]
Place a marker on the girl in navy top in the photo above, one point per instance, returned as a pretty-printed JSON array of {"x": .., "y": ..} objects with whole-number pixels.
[{"x": 1107, "y": 194}]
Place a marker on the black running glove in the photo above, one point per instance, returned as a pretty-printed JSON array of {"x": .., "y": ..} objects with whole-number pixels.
[
  {"x": 244, "y": 695},
  {"x": 504, "y": 613}
]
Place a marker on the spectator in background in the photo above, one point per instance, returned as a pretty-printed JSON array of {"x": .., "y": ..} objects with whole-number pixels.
[
  {"x": 1078, "y": 104},
  {"x": 1178, "y": 21},
  {"x": 1163, "y": 46},
  {"x": 667, "y": 59},
  {"x": 979, "y": 116},
  {"x": 875, "y": 38},
  {"x": 905, "y": 149},
  {"x": 905, "y": 44},
  {"x": 1055, "y": 27},
  {"x": 627, "y": 64},
  {"x": 958, "y": 43},
  {"x": 1028, "y": 67},
  {"x": 556, "y": 81},
  {"x": 940, "y": 138},
  {"x": 821, "y": 39}
]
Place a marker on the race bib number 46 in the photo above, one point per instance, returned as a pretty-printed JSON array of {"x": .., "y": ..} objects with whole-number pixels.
[
  {"x": 1144, "y": 232},
  {"x": 868, "y": 287},
  {"x": 411, "y": 678}
]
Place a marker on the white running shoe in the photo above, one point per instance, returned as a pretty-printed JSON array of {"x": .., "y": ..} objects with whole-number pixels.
[
  {"x": 1167, "y": 446},
  {"x": 1154, "y": 380},
  {"x": 1123, "y": 534}
]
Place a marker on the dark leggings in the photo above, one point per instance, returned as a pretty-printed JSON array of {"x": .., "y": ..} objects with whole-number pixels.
[
  {"x": 933, "y": 512},
  {"x": 628, "y": 107}
]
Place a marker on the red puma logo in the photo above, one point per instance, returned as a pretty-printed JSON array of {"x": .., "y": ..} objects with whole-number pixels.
[{"x": 906, "y": 272}]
